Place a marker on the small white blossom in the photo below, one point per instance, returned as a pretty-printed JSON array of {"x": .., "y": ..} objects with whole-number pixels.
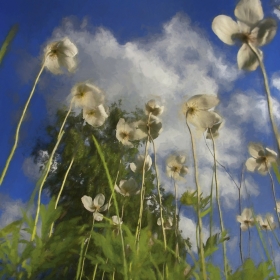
[
  {"x": 128, "y": 187},
  {"x": 116, "y": 221},
  {"x": 267, "y": 223},
  {"x": 250, "y": 28},
  {"x": 261, "y": 159},
  {"x": 125, "y": 133},
  {"x": 153, "y": 108},
  {"x": 137, "y": 165},
  {"x": 60, "y": 54},
  {"x": 95, "y": 206},
  {"x": 168, "y": 223},
  {"x": 95, "y": 116},
  {"x": 246, "y": 219},
  {"x": 175, "y": 167}
]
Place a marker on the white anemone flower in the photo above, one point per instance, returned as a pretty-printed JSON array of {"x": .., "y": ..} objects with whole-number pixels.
[
  {"x": 127, "y": 187},
  {"x": 196, "y": 111},
  {"x": 175, "y": 167},
  {"x": 87, "y": 95},
  {"x": 167, "y": 224},
  {"x": 95, "y": 206},
  {"x": 246, "y": 219},
  {"x": 125, "y": 133},
  {"x": 261, "y": 159},
  {"x": 60, "y": 54},
  {"x": 137, "y": 165},
  {"x": 153, "y": 108},
  {"x": 116, "y": 220},
  {"x": 147, "y": 125},
  {"x": 214, "y": 130},
  {"x": 267, "y": 223},
  {"x": 250, "y": 28},
  {"x": 95, "y": 116}
]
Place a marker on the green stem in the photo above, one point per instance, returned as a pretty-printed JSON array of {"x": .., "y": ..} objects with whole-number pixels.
[
  {"x": 114, "y": 198},
  {"x": 268, "y": 96},
  {"x": 219, "y": 205},
  {"x": 159, "y": 194},
  {"x": 142, "y": 193},
  {"x": 60, "y": 191},
  {"x": 48, "y": 167},
  {"x": 201, "y": 249},
  {"x": 94, "y": 273},
  {"x": 19, "y": 125},
  {"x": 85, "y": 253},
  {"x": 176, "y": 219}
]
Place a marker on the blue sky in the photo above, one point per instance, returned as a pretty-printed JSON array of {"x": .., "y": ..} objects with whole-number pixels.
[{"x": 138, "y": 50}]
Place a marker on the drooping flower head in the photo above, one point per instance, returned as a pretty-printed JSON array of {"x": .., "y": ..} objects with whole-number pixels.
[
  {"x": 261, "y": 159},
  {"x": 277, "y": 207},
  {"x": 250, "y": 28},
  {"x": 267, "y": 223},
  {"x": 95, "y": 206},
  {"x": 214, "y": 130},
  {"x": 116, "y": 221},
  {"x": 137, "y": 165},
  {"x": 128, "y": 187},
  {"x": 196, "y": 111},
  {"x": 95, "y": 116},
  {"x": 125, "y": 133},
  {"x": 175, "y": 167},
  {"x": 246, "y": 219},
  {"x": 60, "y": 54},
  {"x": 87, "y": 95},
  {"x": 153, "y": 108},
  {"x": 148, "y": 125}
]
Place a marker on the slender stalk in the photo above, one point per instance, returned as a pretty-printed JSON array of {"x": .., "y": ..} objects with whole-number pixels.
[
  {"x": 103, "y": 273},
  {"x": 19, "y": 125},
  {"x": 219, "y": 205},
  {"x": 109, "y": 203},
  {"x": 142, "y": 193},
  {"x": 48, "y": 167},
  {"x": 114, "y": 198},
  {"x": 201, "y": 249},
  {"x": 268, "y": 96},
  {"x": 94, "y": 272},
  {"x": 274, "y": 196},
  {"x": 80, "y": 261},
  {"x": 249, "y": 232},
  {"x": 85, "y": 253},
  {"x": 176, "y": 218},
  {"x": 60, "y": 191},
  {"x": 271, "y": 248},
  {"x": 159, "y": 195},
  {"x": 239, "y": 204}
]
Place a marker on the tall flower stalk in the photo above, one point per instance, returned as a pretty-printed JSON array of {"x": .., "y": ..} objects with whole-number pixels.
[
  {"x": 219, "y": 205},
  {"x": 198, "y": 189}
]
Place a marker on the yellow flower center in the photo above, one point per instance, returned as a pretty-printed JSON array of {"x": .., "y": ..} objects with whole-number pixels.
[{"x": 124, "y": 135}]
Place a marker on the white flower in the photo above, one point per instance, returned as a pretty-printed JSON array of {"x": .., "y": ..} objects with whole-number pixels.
[
  {"x": 175, "y": 167},
  {"x": 95, "y": 206},
  {"x": 60, "y": 54},
  {"x": 277, "y": 207},
  {"x": 116, "y": 220},
  {"x": 95, "y": 116},
  {"x": 127, "y": 187},
  {"x": 214, "y": 130},
  {"x": 137, "y": 166},
  {"x": 167, "y": 224},
  {"x": 261, "y": 158},
  {"x": 249, "y": 28},
  {"x": 125, "y": 133},
  {"x": 246, "y": 219},
  {"x": 153, "y": 108},
  {"x": 87, "y": 95},
  {"x": 148, "y": 125},
  {"x": 267, "y": 223},
  {"x": 196, "y": 110}
]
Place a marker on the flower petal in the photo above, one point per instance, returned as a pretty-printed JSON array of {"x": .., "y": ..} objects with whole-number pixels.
[
  {"x": 203, "y": 119},
  {"x": 225, "y": 28},
  {"x": 97, "y": 216},
  {"x": 87, "y": 202},
  {"x": 243, "y": 227},
  {"x": 255, "y": 149},
  {"x": 249, "y": 11},
  {"x": 247, "y": 213},
  {"x": 247, "y": 59},
  {"x": 203, "y": 101},
  {"x": 251, "y": 164},
  {"x": 103, "y": 208},
  {"x": 99, "y": 200},
  {"x": 265, "y": 31}
]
